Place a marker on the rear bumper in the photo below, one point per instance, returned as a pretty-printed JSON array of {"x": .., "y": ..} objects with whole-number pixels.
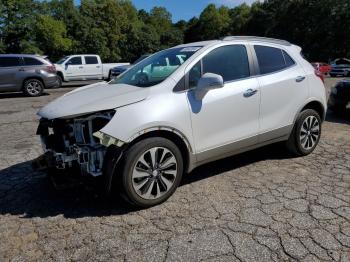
[{"x": 51, "y": 81}]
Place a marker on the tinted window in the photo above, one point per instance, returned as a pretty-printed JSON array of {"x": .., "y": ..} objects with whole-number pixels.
[
  {"x": 272, "y": 59},
  {"x": 231, "y": 62},
  {"x": 29, "y": 61},
  {"x": 9, "y": 61},
  {"x": 91, "y": 60},
  {"x": 194, "y": 75},
  {"x": 75, "y": 61},
  {"x": 289, "y": 61}
]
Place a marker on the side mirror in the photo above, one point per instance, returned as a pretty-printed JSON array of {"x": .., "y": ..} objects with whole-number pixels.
[
  {"x": 207, "y": 82},
  {"x": 210, "y": 81}
]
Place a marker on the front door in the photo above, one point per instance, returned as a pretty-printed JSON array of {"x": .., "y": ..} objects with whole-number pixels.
[
  {"x": 74, "y": 68},
  {"x": 225, "y": 119}
]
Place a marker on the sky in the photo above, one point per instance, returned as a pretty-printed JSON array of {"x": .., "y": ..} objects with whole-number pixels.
[{"x": 183, "y": 9}]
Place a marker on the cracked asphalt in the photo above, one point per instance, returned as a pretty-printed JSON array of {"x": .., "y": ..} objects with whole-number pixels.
[{"x": 262, "y": 205}]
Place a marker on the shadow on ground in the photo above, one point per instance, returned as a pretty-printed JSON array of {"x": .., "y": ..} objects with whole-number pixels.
[
  {"x": 30, "y": 193},
  {"x": 17, "y": 95}
]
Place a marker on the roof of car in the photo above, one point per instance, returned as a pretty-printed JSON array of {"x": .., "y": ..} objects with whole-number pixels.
[{"x": 240, "y": 39}]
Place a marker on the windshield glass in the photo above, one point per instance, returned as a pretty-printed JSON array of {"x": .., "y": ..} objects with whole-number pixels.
[
  {"x": 62, "y": 60},
  {"x": 156, "y": 68}
]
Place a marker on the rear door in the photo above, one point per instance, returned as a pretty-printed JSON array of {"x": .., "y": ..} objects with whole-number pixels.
[
  {"x": 74, "y": 68},
  {"x": 284, "y": 89},
  {"x": 10, "y": 67},
  {"x": 92, "y": 67}
]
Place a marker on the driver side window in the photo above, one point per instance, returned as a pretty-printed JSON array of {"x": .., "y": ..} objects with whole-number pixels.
[
  {"x": 75, "y": 61},
  {"x": 231, "y": 62}
]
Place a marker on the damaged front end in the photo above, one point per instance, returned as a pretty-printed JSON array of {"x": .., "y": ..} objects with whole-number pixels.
[{"x": 76, "y": 142}]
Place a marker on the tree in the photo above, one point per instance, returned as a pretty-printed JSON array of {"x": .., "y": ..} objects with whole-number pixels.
[
  {"x": 16, "y": 25},
  {"x": 51, "y": 36}
]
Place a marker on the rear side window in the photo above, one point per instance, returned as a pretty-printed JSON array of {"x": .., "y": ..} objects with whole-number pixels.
[
  {"x": 272, "y": 59},
  {"x": 75, "y": 61},
  {"x": 30, "y": 61},
  {"x": 9, "y": 61},
  {"x": 91, "y": 60},
  {"x": 231, "y": 62}
]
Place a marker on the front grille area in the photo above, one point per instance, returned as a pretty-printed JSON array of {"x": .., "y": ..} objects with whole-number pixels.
[{"x": 71, "y": 141}]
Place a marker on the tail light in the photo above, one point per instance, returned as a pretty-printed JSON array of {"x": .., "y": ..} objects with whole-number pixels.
[
  {"x": 51, "y": 69},
  {"x": 320, "y": 75}
]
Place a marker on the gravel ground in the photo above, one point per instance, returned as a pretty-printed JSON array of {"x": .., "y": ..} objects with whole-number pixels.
[{"x": 262, "y": 205}]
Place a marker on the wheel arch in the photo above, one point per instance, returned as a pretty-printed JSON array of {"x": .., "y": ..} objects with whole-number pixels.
[
  {"x": 32, "y": 77},
  {"x": 60, "y": 74},
  {"x": 169, "y": 133},
  {"x": 317, "y": 106}
]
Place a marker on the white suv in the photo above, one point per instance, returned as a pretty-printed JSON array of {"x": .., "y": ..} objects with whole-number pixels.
[{"x": 183, "y": 107}]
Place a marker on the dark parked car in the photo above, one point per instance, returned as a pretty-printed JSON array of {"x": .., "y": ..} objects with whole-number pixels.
[
  {"x": 339, "y": 99},
  {"x": 340, "y": 67},
  {"x": 116, "y": 71},
  {"x": 29, "y": 74}
]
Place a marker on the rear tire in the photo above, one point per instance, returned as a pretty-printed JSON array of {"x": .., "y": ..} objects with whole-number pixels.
[
  {"x": 152, "y": 170},
  {"x": 306, "y": 133},
  {"x": 33, "y": 87}
]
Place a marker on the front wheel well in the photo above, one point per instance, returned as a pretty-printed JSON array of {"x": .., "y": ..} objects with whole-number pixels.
[
  {"x": 60, "y": 74},
  {"x": 175, "y": 138},
  {"x": 318, "y": 107}
]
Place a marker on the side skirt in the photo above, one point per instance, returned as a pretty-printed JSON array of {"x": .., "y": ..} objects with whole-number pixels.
[{"x": 237, "y": 147}]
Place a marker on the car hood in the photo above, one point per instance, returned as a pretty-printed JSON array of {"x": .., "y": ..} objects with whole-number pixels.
[{"x": 93, "y": 98}]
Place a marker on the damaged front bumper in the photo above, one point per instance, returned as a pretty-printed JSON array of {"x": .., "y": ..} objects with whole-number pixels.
[{"x": 76, "y": 143}]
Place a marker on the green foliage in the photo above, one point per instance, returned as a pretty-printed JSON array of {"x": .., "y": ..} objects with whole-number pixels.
[
  {"x": 51, "y": 36},
  {"x": 117, "y": 31}
]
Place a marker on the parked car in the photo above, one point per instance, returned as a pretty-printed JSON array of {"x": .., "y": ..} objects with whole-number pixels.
[
  {"x": 84, "y": 67},
  {"x": 324, "y": 68},
  {"x": 340, "y": 67},
  {"x": 116, "y": 71},
  {"x": 183, "y": 107},
  {"x": 339, "y": 98},
  {"x": 29, "y": 74}
]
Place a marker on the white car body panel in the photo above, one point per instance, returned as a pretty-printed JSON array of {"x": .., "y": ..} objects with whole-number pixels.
[
  {"x": 223, "y": 117},
  {"x": 89, "y": 99}
]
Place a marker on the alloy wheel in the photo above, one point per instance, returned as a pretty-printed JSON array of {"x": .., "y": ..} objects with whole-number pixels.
[
  {"x": 33, "y": 88},
  {"x": 154, "y": 173},
  {"x": 309, "y": 132}
]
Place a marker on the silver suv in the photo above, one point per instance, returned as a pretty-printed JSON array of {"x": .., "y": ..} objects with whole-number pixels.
[
  {"x": 27, "y": 73},
  {"x": 183, "y": 107}
]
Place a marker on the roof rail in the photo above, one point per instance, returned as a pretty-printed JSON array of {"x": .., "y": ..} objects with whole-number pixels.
[{"x": 256, "y": 38}]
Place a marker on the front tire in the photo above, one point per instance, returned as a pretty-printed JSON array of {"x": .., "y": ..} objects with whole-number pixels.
[
  {"x": 33, "y": 87},
  {"x": 60, "y": 80},
  {"x": 152, "y": 170},
  {"x": 306, "y": 133}
]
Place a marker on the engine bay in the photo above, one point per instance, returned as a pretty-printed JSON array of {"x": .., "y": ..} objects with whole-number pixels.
[{"x": 69, "y": 143}]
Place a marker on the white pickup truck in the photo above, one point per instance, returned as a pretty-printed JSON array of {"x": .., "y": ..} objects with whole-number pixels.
[{"x": 84, "y": 67}]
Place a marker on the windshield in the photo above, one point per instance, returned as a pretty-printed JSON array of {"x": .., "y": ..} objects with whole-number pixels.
[
  {"x": 156, "y": 68},
  {"x": 61, "y": 61},
  {"x": 140, "y": 59}
]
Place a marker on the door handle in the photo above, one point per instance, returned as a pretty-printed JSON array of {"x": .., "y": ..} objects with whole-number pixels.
[
  {"x": 97, "y": 66},
  {"x": 21, "y": 69},
  {"x": 81, "y": 67},
  {"x": 300, "y": 79},
  {"x": 250, "y": 92}
]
